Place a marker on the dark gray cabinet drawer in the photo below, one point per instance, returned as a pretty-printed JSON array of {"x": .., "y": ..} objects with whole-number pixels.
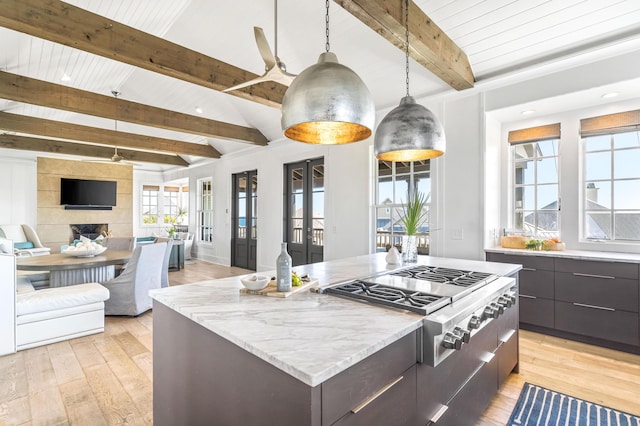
[
  {"x": 592, "y": 267},
  {"x": 341, "y": 393},
  {"x": 537, "y": 283},
  {"x": 395, "y": 406},
  {"x": 470, "y": 402},
  {"x": 537, "y": 311},
  {"x": 527, "y": 261},
  {"x": 613, "y": 325},
  {"x": 617, "y": 293}
]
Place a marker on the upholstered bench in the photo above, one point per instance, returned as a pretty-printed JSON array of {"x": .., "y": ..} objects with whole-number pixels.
[{"x": 55, "y": 314}]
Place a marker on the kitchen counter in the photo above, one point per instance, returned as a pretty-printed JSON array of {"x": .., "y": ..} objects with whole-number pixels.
[
  {"x": 310, "y": 336},
  {"x": 572, "y": 254}
]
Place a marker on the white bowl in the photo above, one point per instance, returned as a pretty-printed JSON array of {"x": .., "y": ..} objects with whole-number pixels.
[
  {"x": 84, "y": 253},
  {"x": 255, "y": 282}
]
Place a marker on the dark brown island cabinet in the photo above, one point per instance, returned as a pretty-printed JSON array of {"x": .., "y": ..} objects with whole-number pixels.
[
  {"x": 591, "y": 301},
  {"x": 202, "y": 379}
]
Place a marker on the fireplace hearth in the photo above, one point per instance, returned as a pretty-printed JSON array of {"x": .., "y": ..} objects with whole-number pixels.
[{"x": 87, "y": 230}]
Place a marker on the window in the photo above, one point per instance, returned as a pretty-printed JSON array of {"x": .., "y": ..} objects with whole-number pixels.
[
  {"x": 171, "y": 204},
  {"x": 205, "y": 210},
  {"x": 150, "y": 204},
  {"x": 395, "y": 181},
  {"x": 536, "y": 200},
  {"x": 611, "y": 186}
]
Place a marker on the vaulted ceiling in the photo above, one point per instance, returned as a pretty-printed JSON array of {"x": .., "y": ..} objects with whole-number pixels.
[{"x": 212, "y": 47}]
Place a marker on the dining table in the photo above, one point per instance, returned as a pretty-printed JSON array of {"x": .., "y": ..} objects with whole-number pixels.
[{"x": 66, "y": 269}]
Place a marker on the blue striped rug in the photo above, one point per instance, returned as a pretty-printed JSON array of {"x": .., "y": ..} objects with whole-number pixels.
[{"x": 539, "y": 406}]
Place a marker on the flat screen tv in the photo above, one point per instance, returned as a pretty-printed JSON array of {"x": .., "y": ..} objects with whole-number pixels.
[{"x": 87, "y": 193}]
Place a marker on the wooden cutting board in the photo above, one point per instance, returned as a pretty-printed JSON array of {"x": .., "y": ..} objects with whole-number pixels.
[{"x": 272, "y": 290}]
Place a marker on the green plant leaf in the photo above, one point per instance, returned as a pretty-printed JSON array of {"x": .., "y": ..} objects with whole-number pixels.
[{"x": 415, "y": 214}]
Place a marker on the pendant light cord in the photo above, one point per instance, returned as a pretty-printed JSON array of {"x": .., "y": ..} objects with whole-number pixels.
[
  {"x": 406, "y": 35},
  {"x": 275, "y": 26},
  {"x": 326, "y": 21}
]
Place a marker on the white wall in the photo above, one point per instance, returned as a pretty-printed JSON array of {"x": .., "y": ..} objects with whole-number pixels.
[
  {"x": 461, "y": 228},
  {"x": 18, "y": 190}
]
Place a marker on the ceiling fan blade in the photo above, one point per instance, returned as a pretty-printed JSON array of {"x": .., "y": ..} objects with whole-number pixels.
[
  {"x": 264, "y": 48},
  {"x": 279, "y": 76},
  {"x": 248, "y": 83}
]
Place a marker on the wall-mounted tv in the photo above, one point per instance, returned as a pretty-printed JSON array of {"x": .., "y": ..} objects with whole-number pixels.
[{"x": 82, "y": 193}]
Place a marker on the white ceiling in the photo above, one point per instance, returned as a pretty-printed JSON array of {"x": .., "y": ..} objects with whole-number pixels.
[{"x": 500, "y": 37}]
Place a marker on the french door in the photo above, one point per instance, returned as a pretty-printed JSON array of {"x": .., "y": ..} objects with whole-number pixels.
[
  {"x": 244, "y": 219},
  {"x": 304, "y": 211}
]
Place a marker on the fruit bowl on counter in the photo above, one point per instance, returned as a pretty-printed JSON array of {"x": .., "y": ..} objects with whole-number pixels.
[
  {"x": 550, "y": 244},
  {"x": 255, "y": 282}
]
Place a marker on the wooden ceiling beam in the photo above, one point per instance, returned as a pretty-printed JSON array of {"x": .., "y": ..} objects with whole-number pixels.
[
  {"x": 27, "y": 143},
  {"x": 58, "y": 129},
  {"x": 429, "y": 45},
  {"x": 38, "y": 92},
  {"x": 72, "y": 26}
]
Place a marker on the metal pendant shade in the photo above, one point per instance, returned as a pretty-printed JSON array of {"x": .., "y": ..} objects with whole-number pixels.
[
  {"x": 409, "y": 132},
  {"x": 328, "y": 104}
]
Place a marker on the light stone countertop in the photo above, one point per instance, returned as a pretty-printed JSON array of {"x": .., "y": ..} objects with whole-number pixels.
[
  {"x": 310, "y": 336},
  {"x": 572, "y": 254}
]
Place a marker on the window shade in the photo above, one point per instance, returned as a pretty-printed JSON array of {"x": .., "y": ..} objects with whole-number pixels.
[
  {"x": 171, "y": 189},
  {"x": 611, "y": 123},
  {"x": 150, "y": 188},
  {"x": 534, "y": 134}
]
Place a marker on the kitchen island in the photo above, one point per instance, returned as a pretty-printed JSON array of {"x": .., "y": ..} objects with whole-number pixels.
[{"x": 224, "y": 357}]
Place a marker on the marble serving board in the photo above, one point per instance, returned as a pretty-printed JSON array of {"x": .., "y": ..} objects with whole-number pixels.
[{"x": 272, "y": 290}]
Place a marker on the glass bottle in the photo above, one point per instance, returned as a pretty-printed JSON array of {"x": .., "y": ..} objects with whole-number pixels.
[{"x": 283, "y": 270}]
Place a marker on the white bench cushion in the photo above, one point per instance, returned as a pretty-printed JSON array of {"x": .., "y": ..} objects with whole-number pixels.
[
  {"x": 60, "y": 298},
  {"x": 23, "y": 284}
]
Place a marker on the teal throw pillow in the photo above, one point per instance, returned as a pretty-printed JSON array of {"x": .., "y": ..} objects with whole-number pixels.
[{"x": 23, "y": 246}]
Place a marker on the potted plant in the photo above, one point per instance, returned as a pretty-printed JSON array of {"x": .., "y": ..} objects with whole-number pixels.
[
  {"x": 172, "y": 231},
  {"x": 182, "y": 213},
  {"x": 413, "y": 217}
]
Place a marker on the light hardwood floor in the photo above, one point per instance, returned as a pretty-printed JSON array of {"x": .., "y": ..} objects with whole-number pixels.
[{"x": 106, "y": 379}]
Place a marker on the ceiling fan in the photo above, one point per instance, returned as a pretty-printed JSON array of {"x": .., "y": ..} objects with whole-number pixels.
[{"x": 275, "y": 69}]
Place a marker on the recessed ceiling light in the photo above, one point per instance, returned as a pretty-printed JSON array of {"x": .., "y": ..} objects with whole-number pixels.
[
  {"x": 65, "y": 77},
  {"x": 199, "y": 110},
  {"x": 528, "y": 112},
  {"x": 610, "y": 95}
]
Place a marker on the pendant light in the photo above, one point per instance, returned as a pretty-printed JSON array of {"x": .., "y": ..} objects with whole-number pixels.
[
  {"x": 410, "y": 132},
  {"x": 327, "y": 103}
]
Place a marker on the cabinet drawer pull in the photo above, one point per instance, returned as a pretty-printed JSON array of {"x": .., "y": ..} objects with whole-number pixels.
[
  {"x": 529, "y": 269},
  {"x": 606, "y": 277},
  {"x": 602, "y": 308},
  {"x": 506, "y": 336},
  {"x": 443, "y": 409},
  {"x": 375, "y": 395},
  {"x": 526, "y": 296},
  {"x": 486, "y": 357}
]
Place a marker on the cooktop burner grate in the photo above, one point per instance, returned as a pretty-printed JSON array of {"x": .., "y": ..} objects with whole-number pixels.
[
  {"x": 443, "y": 275},
  {"x": 415, "y": 301}
]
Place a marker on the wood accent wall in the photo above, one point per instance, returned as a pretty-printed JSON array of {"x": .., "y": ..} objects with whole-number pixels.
[{"x": 54, "y": 220}]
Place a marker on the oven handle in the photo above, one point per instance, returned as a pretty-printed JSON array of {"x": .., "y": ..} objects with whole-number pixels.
[
  {"x": 526, "y": 296},
  {"x": 375, "y": 395},
  {"x": 529, "y": 269}
]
